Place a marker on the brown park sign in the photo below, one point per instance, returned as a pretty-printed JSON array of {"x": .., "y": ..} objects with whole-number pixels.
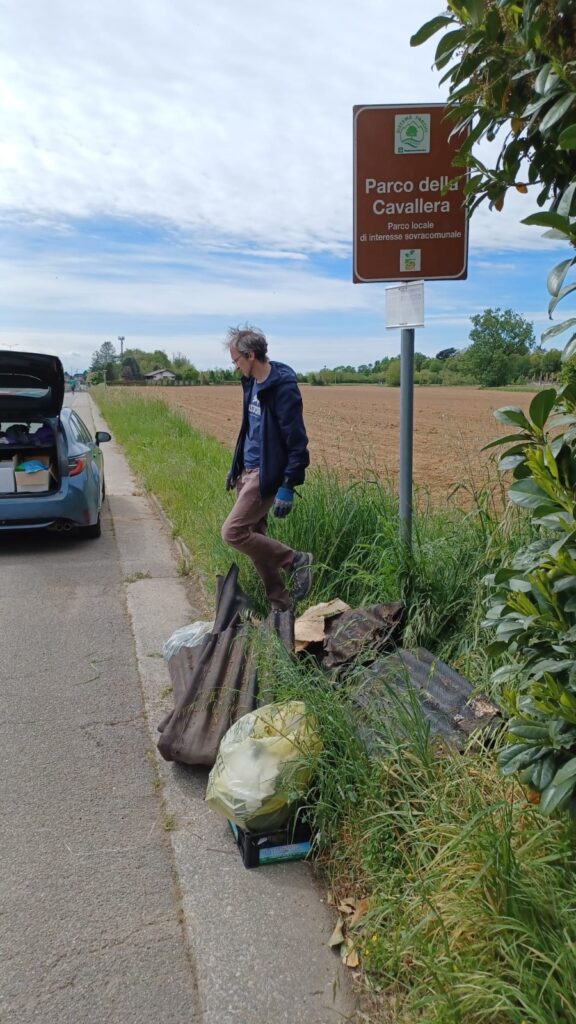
[{"x": 409, "y": 216}]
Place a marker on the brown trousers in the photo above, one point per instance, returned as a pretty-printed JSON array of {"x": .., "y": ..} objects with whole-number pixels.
[{"x": 245, "y": 530}]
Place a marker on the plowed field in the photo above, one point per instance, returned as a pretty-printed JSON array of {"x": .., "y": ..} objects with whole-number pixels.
[{"x": 356, "y": 428}]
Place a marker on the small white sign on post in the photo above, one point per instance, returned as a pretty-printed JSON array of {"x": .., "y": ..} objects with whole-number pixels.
[{"x": 405, "y": 305}]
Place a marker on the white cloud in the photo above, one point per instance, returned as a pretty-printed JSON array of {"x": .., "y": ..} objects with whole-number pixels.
[{"x": 232, "y": 120}]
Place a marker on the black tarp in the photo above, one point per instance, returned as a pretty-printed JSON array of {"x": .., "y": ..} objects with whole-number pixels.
[{"x": 215, "y": 683}]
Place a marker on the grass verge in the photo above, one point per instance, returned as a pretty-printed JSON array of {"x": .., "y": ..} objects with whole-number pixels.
[{"x": 470, "y": 895}]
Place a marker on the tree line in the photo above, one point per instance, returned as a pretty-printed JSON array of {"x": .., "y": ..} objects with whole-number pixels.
[{"x": 502, "y": 350}]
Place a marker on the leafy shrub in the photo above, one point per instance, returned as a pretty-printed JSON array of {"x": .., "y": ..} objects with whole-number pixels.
[{"x": 533, "y": 602}]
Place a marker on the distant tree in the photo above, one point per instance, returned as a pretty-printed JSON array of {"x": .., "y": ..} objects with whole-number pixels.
[
  {"x": 497, "y": 336},
  {"x": 104, "y": 356},
  {"x": 568, "y": 371},
  {"x": 455, "y": 370},
  {"x": 552, "y": 363},
  {"x": 420, "y": 360},
  {"x": 446, "y": 353},
  {"x": 148, "y": 361},
  {"x": 392, "y": 375},
  {"x": 130, "y": 364},
  {"x": 183, "y": 367}
]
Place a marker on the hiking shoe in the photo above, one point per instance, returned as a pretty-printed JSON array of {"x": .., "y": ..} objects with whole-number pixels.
[{"x": 301, "y": 576}]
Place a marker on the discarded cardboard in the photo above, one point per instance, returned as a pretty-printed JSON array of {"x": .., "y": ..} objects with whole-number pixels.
[{"x": 310, "y": 627}]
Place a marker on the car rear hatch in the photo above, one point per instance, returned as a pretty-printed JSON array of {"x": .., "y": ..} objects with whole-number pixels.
[{"x": 31, "y": 385}]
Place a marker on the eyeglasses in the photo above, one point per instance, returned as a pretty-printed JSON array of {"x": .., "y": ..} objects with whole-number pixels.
[{"x": 237, "y": 360}]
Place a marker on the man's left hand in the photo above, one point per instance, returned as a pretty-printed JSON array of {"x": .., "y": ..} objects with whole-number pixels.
[{"x": 283, "y": 502}]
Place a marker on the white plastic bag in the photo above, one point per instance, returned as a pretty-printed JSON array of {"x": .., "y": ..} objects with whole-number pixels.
[
  {"x": 264, "y": 765},
  {"x": 186, "y": 636}
]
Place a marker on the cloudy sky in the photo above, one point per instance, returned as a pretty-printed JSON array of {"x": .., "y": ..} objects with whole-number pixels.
[{"x": 171, "y": 167}]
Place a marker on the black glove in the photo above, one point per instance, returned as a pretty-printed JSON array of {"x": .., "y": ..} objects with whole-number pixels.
[
  {"x": 283, "y": 502},
  {"x": 230, "y": 481}
]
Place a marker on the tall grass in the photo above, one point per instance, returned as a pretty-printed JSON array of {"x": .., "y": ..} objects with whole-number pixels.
[{"x": 471, "y": 894}]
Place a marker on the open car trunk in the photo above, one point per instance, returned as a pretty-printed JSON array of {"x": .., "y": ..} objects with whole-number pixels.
[
  {"x": 30, "y": 456},
  {"x": 32, "y": 443}
]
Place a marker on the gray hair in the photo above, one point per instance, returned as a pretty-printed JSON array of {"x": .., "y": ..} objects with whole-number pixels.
[{"x": 248, "y": 339}]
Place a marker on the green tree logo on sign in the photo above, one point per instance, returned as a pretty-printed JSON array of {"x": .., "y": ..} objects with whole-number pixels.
[{"x": 412, "y": 133}]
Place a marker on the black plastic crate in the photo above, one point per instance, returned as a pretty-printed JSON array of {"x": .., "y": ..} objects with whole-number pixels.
[{"x": 290, "y": 843}]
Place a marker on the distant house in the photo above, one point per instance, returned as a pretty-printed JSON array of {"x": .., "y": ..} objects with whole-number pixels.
[{"x": 160, "y": 375}]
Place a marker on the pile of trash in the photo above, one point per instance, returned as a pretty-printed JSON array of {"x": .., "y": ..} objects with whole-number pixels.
[{"x": 262, "y": 752}]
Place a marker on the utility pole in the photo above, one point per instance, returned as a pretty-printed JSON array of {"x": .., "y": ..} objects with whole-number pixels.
[{"x": 121, "y": 339}]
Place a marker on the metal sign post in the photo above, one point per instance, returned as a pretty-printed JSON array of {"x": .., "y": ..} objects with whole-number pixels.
[
  {"x": 410, "y": 226},
  {"x": 405, "y": 309}
]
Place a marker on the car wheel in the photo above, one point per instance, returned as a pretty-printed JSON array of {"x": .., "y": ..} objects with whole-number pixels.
[{"x": 91, "y": 532}]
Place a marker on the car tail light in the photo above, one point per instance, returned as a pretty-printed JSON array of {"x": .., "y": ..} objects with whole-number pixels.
[{"x": 75, "y": 465}]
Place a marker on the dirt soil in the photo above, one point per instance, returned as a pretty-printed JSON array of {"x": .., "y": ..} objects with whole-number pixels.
[{"x": 355, "y": 428}]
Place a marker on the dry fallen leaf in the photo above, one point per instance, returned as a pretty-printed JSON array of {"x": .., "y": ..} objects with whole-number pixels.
[
  {"x": 349, "y": 955},
  {"x": 337, "y": 937},
  {"x": 347, "y": 906},
  {"x": 361, "y": 909}
]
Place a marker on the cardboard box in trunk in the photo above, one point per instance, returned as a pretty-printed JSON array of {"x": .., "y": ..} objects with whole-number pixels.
[{"x": 31, "y": 482}]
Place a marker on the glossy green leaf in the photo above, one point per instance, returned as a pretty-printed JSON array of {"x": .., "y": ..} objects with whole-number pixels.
[
  {"x": 541, "y": 406},
  {"x": 496, "y": 647},
  {"x": 563, "y": 584},
  {"x": 429, "y": 29},
  {"x": 517, "y": 756},
  {"x": 554, "y": 797},
  {"x": 559, "y": 236},
  {"x": 558, "y": 298},
  {"x": 566, "y": 199},
  {"x": 559, "y": 329},
  {"x": 542, "y": 773},
  {"x": 557, "y": 275},
  {"x": 569, "y": 349},
  {"x": 541, "y": 79},
  {"x": 557, "y": 111},
  {"x": 505, "y": 440},
  {"x": 567, "y": 138},
  {"x": 549, "y": 220},
  {"x": 510, "y": 462},
  {"x": 527, "y": 494},
  {"x": 512, "y": 414},
  {"x": 537, "y": 105},
  {"x": 567, "y": 771},
  {"x": 526, "y": 731}
]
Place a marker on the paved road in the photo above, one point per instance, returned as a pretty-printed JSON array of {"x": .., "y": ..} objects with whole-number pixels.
[
  {"x": 106, "y": 916},
  {"x": 90, "y": 928}
]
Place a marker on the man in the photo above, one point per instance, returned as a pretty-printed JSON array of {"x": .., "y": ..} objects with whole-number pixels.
[{"x": 270, "y": 459}]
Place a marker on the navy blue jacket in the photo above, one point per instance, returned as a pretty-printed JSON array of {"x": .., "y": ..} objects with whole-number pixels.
[{"x": 283, "y": 441}]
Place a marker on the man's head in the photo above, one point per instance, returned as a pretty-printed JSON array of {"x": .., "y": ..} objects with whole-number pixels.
[{"x": 247, "y": 346}]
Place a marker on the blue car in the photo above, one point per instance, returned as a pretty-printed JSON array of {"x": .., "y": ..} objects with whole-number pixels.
[{"x": 51, "y": 468}]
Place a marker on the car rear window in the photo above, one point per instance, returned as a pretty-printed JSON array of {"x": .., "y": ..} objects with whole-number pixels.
[{"x": 16, "y": 392}]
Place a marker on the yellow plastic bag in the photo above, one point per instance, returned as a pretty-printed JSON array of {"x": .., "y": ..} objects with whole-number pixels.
[{"x": 264, "y": 765}]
